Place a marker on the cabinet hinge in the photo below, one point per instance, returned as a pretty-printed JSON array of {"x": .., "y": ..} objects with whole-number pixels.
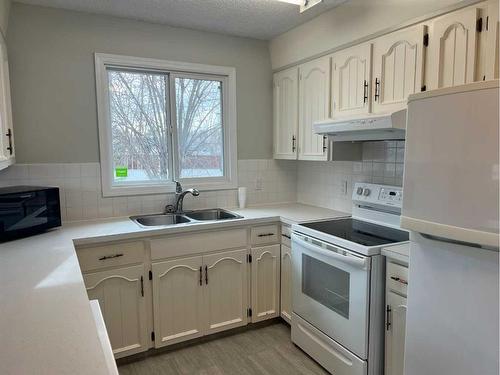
[
  {"x": 153, "y": 336},
  {"x": 249, "y": 258},
  {"x": 426, "y": 40},
  {"x": 423, "y": 88},
  {"x": 150, "y": 275},
  {"x": 249, "y": 312},
  {"x": 479, "y": 25}
]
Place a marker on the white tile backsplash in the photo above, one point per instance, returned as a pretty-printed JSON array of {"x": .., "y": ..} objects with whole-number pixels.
[
  {"x": 321, "y": 183},
  {"x": 267, "y": 181},
  {"x": 81, "y": 195}
]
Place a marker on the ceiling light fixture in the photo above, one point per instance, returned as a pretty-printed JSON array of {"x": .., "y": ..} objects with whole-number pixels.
[{"x": 304, "y": 4}]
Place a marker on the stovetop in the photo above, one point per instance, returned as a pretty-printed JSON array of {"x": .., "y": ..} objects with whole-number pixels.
[{"x": 359, "y": 232}]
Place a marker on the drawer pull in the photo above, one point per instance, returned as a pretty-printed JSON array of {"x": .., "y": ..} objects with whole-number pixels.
[
  {"x": 265, "y": 235},
  {"x": 399, "y": 280},
  {"x": 286, "y": 236},
  {"x": 105, "y": 257}
]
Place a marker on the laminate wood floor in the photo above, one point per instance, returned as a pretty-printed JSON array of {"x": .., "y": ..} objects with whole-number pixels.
[{"x": 267, "y": 350}]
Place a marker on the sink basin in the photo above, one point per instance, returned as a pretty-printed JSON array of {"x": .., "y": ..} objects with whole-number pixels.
[
  {"x": 160, "y": 220},
  {"x": 212, "y": 214}
]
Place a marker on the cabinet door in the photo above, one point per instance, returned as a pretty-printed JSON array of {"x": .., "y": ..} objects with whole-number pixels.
[
  {"x": 286, "y": 283},
  {"x": 177, "y": 300},
  {"x": 314, "y": 103},
  {"x": 265, "y": 282},
  {"x": 453, "y": 49},
  {"x": 351, "y": 81},
  {"x": 398, "y": 62},
  {"x": 121, "y": 299},
  {"x": 286, "y": 113},
  {"x": 7, "y": 137},
  {"x": 395, "y": 334},
  {"x": 492, "y": 41},
  {"x": 226, "y": 286}
]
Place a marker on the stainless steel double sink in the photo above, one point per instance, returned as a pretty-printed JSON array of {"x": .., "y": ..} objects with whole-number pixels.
[{"x": 167, "y": 219}]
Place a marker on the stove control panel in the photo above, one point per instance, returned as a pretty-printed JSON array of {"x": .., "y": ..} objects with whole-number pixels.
[{"x": 379, "y": 195}]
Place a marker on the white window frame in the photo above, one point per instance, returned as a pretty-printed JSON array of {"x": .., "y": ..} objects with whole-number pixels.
[{"x": 175, "y": 69}]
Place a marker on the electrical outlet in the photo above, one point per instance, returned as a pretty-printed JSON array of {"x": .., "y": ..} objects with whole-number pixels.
[
  {"x": 344, "y": 187},
  {"x": 259, "y": 183}
]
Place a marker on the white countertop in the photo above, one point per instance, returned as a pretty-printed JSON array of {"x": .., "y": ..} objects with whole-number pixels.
[
  {"x": 46, "y": 324},
  {"x": 399, "y": 252}
]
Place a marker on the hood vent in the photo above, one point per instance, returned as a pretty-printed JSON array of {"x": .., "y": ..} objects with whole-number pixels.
[{"x": 368, "y": 128}]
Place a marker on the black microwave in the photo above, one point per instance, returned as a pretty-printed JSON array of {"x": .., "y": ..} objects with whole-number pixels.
[{"x": 27, "y": 210}]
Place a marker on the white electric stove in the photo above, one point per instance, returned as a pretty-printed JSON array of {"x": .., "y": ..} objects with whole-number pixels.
[{"x": 338, "y": 282}]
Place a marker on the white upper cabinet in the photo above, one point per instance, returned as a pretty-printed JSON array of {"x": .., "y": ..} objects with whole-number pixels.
[
  {"x": 178, "y": 300},
  {"x": 453, "y": 49},
  {"x": 314, "y": 104},
  {"x": 492, "y": 41},
  {"x": 226, "y": 290},
  {"x": 398, "y": 64},
  {"x": 351, "y": 70},
  {"x": 285, "y": 93},
  {"x": 120, "y": 293},
  {"x": 265, "y": 282},
  {"x": 7, "y": 137}
]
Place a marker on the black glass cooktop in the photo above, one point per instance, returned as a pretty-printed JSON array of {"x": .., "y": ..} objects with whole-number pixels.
[{"x": 360, "y": 232}]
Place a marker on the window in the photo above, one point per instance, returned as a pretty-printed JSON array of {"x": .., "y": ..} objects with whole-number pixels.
[{"x": 161, "y": 121}]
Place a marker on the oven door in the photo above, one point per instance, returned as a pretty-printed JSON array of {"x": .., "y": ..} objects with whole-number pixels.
[{"x": 331, "y": 291}]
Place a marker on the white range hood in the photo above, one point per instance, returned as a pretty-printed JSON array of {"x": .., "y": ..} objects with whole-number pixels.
[{"x": 366, "y": 128}]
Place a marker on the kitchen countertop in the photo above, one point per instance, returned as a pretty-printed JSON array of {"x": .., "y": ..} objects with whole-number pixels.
[
  {"x": 47, "y": 326},
  {"x": 399, "y": 252}
]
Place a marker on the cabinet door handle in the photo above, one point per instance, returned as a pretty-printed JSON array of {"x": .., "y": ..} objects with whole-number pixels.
[
  {"x": 365, "y": 92},
  {"x": 388, "y": 317},
  {"x": 377, "y": 89},
  {"x": 399, "y": 280},
  {"x": 105, "y": 257},
  {"x": 206, "y": 275},
  {"x": 286, "y": 236},
  {"x": 293, "y": 143},
  {"x": 201, "y": 275},
  {"x": 10, "y": 148},
  {"x": 142, "y": 286},
  {"x": 265, "y": 235}
]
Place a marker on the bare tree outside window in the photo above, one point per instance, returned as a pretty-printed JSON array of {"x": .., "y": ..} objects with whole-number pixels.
[
  {"x": 199, "y": 127},
  {"x": 139, "y": 113}
]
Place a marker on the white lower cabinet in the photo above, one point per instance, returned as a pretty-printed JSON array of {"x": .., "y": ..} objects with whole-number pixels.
[
  {"x": 197, "y": 296},
  {"x": 226, "y": 290},
  {"x": 178, "y": 300},
  {"x": 265, "y": 282},
  {"x": 120, "y": 293},
  {"x": 286, "y": 283},
  {"x": 395, "y": 334}
]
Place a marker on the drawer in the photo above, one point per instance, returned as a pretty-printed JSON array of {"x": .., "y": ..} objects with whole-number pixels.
[
  {"x": 110, "y": 255},
  {"x": 264, "y": 234},
  {"x": 196, "y": 243},
  {"x": 286, "y": 233},
  {"x": 397, "y": 278}
]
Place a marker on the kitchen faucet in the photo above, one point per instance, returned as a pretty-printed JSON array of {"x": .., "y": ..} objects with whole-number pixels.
[{"x": 179, "y": 199}]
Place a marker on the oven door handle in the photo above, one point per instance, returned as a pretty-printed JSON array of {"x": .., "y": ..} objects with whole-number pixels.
[{"x": 349, "y": 259}]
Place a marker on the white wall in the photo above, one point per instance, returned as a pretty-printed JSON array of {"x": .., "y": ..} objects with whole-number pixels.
[
  {"x": 350, "y": 21},
  {"x": 4, "y": 15},
  {"x": 53, "y": 80}
]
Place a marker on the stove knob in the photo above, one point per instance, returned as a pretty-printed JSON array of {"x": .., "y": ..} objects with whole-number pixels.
[
  {"x": 359, "y": 191},
  {"x": 366, "y": 192}
]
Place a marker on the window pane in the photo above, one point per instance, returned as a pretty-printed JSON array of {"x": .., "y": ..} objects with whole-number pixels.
[
  {"x": 139, "y": 129},
  {"x": 199, "y": 127}
]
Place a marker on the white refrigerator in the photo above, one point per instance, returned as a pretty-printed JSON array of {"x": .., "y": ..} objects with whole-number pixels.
[{"x": 450, "y": 207}]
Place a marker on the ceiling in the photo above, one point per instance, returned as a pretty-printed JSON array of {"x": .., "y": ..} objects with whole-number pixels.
[{"x": 261, "y": 19}]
